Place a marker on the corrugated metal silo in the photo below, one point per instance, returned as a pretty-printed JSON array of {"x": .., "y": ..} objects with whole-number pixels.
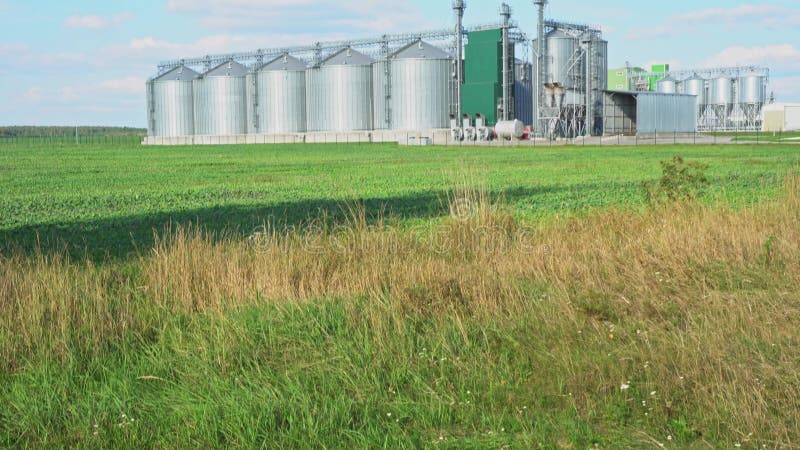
[
  {"x": 380, "y": 119},
  {"x": 276, "y": 97},
  {"x": 721, "y": 92},
  {"x": 220, "y": 104},
  {"x": 751, "y": 89},
  {"x": 562, "y": 52},
  {"x": 421, "y": 75},
  {"x": 523, "y": 92},
  {"x": 339, "y": 93},
  {"x": 696, "y": 85},
  {"x": 667, "y": 85},
  {"x": 171, "y": 103}
]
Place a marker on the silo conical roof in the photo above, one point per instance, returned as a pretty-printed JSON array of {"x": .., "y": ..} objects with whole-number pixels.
[
  {"x": 181, "y": 73},
  {"x": 558, "y": 34},
  {"x": 285, "y": 62},
  {"x": 348, "y": 57},
  {"x": 228, "y": 69},
  {"x": 420, "y": 50}
]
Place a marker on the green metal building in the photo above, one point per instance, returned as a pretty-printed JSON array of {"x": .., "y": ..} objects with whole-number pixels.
[
  {"x": 483, "y": 74},
  {"x": 626, "y": 79}
]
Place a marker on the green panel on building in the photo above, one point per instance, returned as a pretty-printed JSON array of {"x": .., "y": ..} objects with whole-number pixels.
[{"x": 483, "y": 74}]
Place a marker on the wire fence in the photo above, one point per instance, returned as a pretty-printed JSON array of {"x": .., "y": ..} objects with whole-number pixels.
[
  {"x": 71, "y": 140},
  {"x": 437, "y": 138}
]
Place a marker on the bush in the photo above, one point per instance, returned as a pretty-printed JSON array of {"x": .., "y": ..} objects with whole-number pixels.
[{"x": 680, "y": 181}]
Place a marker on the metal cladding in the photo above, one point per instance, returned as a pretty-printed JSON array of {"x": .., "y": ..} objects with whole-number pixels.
[
  {"x": 721, "y": 91},
  {"x": 523, "y": 91},
  {"x": 420, "y": 87},
  {"x": 220, "y": 105},
  {"x": 667, "y": 85},
  {"x": 171, "y": 103},
  {"x": 563, "y": 53},
  {"x": 339, "y": 93},
  {"x": 276, "y": 97},
  {"x": 696, "y": 86},
  {"x": 751, "y": 89},
  {"x": 379, "y": 95}
]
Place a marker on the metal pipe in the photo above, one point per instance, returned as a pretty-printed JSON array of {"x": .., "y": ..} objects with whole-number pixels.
[
  {"x": 505, "y": 14},
  {"x": 459, "y": 6},
  {"x": 541, "y": 69}
]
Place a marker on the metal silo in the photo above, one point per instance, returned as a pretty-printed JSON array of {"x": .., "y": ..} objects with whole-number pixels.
[
  {"x": 339, "y": 93},
  {"x": 171, "y": 103},
  {"x": 523, "y": 92},
  {"x": 563, "y": 62},
  {"x": 276, "y": 97},
  {"x": 696, "y": 85},
  {"x": 721, "y": 92},
  {"x": 220, "y": 104},
  {"x": 751, "y": 89},
  {"x": 420, "y": 99},
  {"x": 667, "y": 85},
  {"x": 379, "y": 94}
]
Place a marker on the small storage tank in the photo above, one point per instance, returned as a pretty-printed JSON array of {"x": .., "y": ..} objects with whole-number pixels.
[
  {"x": 220, "y": 101},
  {"x": 421, "y": 75},
  {"x": 562, "y": 51},
  {"x": 751, "y": 89},
  {"x": 339, "y": 93},
  {"x": 721, "y": 91},
  {"x": 171, "y": 103},
  {"x": 379, "y": 101},
  {"x": 276, "y": 97},
  {"x": 667, "y": 85},
  {"x": 696, "y": 85}
]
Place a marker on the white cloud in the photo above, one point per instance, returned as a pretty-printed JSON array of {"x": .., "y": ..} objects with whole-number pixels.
[
  {"x": 284, "y": 15},
  {"x": 96, "y": 22},
  {"x": 759, "y": 15},
  {"x": 13, "y": 49},
  {"x": 776, "y": 57},
  {"x": 127, "y": 85}
]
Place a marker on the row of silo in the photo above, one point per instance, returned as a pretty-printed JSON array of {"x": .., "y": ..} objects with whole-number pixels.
[
  {"x": 722, "y": 90},
  {"x": 348, "y": 91}
]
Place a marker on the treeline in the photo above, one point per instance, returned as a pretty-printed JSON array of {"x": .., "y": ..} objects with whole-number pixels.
[{"x": 31, "y": 131}]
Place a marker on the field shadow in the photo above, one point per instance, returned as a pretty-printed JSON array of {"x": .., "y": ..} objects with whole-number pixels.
[{"x": 121, "y": 238}]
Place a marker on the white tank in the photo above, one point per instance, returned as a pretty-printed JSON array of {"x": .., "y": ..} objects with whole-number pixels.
[
  {"x": 220, "y": 101},
  {"x": 721, "y": 91},
  {"x": 751, "y": 89},
  {"x": 171, "y": 103},
  {"x": 667, "y": 85},
  {"x": 420, "y": 100},
  {"x": 696, "y": 86},
  {"x": 339, "y": 93},
  {"x": 562, "y": 52},
  {"x": 276, "y": 97},
  {"x": 511, "y": 129}
]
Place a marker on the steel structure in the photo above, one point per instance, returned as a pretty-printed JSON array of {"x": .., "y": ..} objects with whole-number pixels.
[
  {"x": 170, "y": 103},
  {"x": 728, "y": 98},
  {"x": 276, "y": 97},
  {"x": 570, "y": 77},
  {"x": 220, "y": 100}
]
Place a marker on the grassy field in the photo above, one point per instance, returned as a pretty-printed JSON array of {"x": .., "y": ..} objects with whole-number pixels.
[
  {"x": 110, "y": 199},
  {"x": 398, "y": 298}
]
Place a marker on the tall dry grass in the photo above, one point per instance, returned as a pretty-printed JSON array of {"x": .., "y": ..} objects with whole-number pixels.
[{"x": 698, "y": 302}]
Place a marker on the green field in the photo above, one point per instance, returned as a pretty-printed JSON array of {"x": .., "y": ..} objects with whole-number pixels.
[
  {"x": 108, "y": 199},
  {"x": 404, "y": 298}
]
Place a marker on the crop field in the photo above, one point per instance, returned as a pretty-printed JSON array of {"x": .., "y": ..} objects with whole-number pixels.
[{"x": 376, "y": 296}]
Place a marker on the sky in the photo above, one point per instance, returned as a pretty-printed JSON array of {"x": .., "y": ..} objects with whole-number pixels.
[{"x": 85, "y": 62}]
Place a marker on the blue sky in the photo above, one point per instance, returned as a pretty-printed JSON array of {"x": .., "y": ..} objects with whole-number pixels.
[{"x": 86, "y": 61}]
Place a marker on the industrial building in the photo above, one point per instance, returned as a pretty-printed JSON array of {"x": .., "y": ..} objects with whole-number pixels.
[
  {"x": 728, "y": 98},
  {"x": 780, "y": 117},
  {"x": 476, "y": 83}
]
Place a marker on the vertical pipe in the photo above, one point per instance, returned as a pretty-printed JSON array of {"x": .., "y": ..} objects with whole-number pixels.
[
  {"x": 459, "y": 6},
  {"x": 541, "y": 69},
  {"x": 505, "y": 13}
]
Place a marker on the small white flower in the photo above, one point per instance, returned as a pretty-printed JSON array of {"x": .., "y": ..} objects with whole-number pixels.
[
  {"x": 653, "y": 394},
  {"x": 624, "y": 386},
  {"x": 669, "y": 438},
  {"x": 388, "y": 414}
]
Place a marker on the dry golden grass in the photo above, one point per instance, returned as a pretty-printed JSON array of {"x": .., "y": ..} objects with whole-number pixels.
[{"x": 701, "y": 304}]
